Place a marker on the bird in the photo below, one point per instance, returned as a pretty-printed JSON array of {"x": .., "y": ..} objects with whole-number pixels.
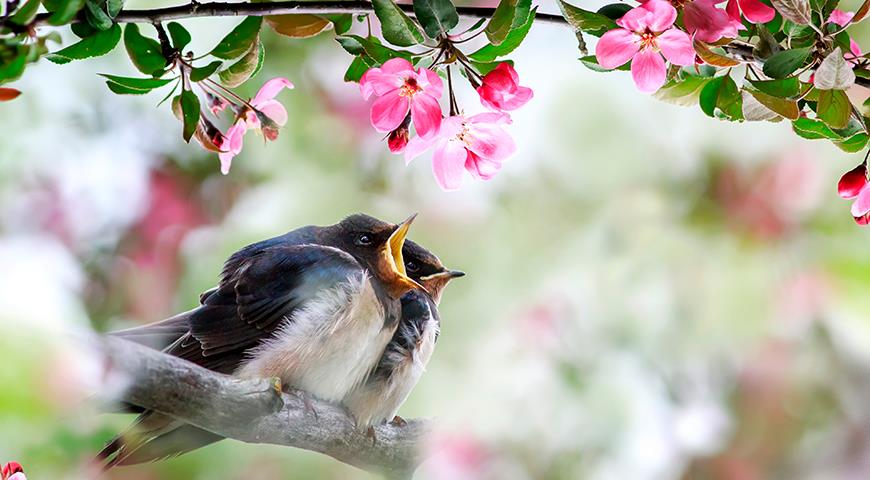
[
  {"x": 314, "y": 307},
  {"x": 406, "y": 356}
]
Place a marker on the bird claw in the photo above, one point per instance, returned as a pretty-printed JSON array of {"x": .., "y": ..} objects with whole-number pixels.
[
  {"x": 398, "y": 421},
  {"x": 370, "y": 433},
  {"x": 308, "y": 403}
]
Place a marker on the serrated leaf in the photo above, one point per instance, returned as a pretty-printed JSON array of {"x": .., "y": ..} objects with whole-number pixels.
[
  {"x": 356, "y": 45},
  {"x": 114, "y": 7},
  {"x": 484, "y": 68},
  {"x": 436, "y": 16},
  {"x": 755, "y": 111},
  {"x": 489, "y": 53},
  {"x": 65, "y": 11},
  {"x": 396, "y": 26},
  {"x": 341, "y": 22},
  {"x": 359, "y": 66},
  {"x": 13, "y": 69},
  {"x": 239, "y": 40},
  {"x": 722, "y": 93},
  {"x": 179, "y": 35},
  {"x": 26, "y": 13},
  {"x": 198, "y": 74},
  {"x": 144, "y": 52},
  {"x": 797, "y": 11},
  {"x": 786, "y": 62},
  {"x": 784, "y": 88},
  {"x": 834, "y": 72},
  {"x": 239, "y": 72},
  {"x": 853, "y": 144},
  {"x": 834, "y": 108},
  {"x": 190, "y": 112},
  {"x": 96, "y": 45},
  {"x": 589, "y": 22},
  {"x": 813, "y": 129},
  {"x": 298, "y": 25},
  {"x": 711, "y": 57},
  {"x": 508, "y": 15},
  {"x": 591, "y": 62},
  {"x": 684, "y": 92},
  {"x": 146, "y": 84},
  {"x": 615, "y": 11},
  {"x": 96, "y": 16},
  {"x": 782, "y": 106}
]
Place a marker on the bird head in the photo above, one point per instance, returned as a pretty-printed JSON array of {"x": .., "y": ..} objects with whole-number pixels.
[
  {"x": 427, "y": 270},
  {"x": 377, "y": 245}
]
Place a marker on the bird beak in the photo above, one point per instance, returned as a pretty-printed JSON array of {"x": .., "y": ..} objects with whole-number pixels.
[
  {"x": 402, "y": 282},
  {"x": 445, "y": 275}
]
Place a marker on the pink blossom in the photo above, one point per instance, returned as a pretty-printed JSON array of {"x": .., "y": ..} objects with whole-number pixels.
[
  {"x": 477, "y": 144},
  {"x": 265, "y": 103},
  {"x": 853, "y": 184},
  {"x": 842, "y": 19},
  {"x": 647, "y": 33},
  {"x": 501, "y": 89},
  {"x": 401, "y": 89},
  {"x": 232, "y": 145},
  {"x": 709, "y": 23},
  {"x": 753, "y": 10}
]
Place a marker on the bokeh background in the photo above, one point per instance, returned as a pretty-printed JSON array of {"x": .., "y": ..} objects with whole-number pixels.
[{"x": 652, "y": 294}]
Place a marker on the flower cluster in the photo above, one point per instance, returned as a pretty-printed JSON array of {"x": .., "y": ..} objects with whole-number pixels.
[
  {"x": 477, "y": 144},
  {"x": 12, "y": 471},
  {"x": 854, "y": 185}
]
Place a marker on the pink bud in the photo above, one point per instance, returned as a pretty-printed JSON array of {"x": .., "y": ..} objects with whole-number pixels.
[{"x": 852, "y": 182}]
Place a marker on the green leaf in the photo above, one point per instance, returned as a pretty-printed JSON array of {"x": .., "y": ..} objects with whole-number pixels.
[
  {"x": 198, "y": 74},
  {"x": 26, "y": 13},
  {"x": 144, "y": 52},
  {"x": 64, "y": 12},
  {"x": 722, "y": 93},
  {"x": 615, "y": 11},
  {"x": 358, "y": 67},
  {"x": 145, "y": 84},
  {"x": 83, "y": 29},
  {"x": 114, "y": 7},
  {"x": 508, "y": 16},
  {"x": 488, "y": 53},
  {"x": 371, "y": 46},
  {"x": 396, "y": 26},
  {"x": 787, "y": 108},
  {"x": 591, "y": 62},
  {"x": 180, "y": 36},
  {"x": 436, "y": 16},
  {"x": 341, "y": 22},
  {"x": 787, "y": 87},
  {"x": 853, "y": 144},
  {"x": 683, "y": 92},
  {"x": 13, "y": 69},
  {"x": 248, "y": 66},
  {"x": 834, "y": 108},
  {"x": 97, "y": 16},
  {"x": 834, "y": 73},
  {"x": 586, "y": 21},
  {"x": 94, "y": 46},
  {"x": 784, "y": 63},
  {"x": 813, "y": 129},
  {"x": 190, "y": 112},
  {"x": 484, "y": 68},
  {"x": 297, "y": 25},
  {"x": 239, "y": 40}
]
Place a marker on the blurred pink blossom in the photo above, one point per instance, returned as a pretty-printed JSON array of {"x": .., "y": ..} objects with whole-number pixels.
[
  {"x": 401, "y": 89},
  {"x": 501, "y": 89},
  {"x": 455, "y": 456}
]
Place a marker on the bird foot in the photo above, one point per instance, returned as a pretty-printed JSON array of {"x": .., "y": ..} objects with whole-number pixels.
[
  {"x": 308, "y": 403},
  {"x": 398, "y": 421},
  {"x": 370, "y": 433},
  {"x": 277, "y": 386}
]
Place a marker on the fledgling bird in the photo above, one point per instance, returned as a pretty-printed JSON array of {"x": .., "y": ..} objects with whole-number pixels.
[
  {"x": 314, "y": 307},
  {"x": 405, "y": 358}
]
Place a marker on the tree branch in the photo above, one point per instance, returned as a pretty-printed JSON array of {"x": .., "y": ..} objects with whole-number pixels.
[{"x": 254, "y": 411}]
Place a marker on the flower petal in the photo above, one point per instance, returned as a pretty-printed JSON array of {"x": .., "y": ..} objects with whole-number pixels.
[
  {"x": 274, "y": 110},
  {"x": 616, "y": 48},
  {"x": 430, "y": 82},
  {"x": 490, "y": 141},
  {"x": 270, "y": 89},
  {"x": 662, "y": 14},
  {"x": 426, "y": 114},
  {"x": 707, "y": 22},
  {"x": 648, "y": 71},
  {"x": 841, "y": 18},
  {"x": 756, "y": 12},
  {"x": 389, "y": 111},
  {"x": 861, "y": 205},
  {"x": 852, "y": 182},
  {"x": 417, "y": 145},
  {"x": 676, "y": 46},
  {"x": 481, "y": 168},
  {"x": 448, "y": 163},
  {"x": 397, "y": 66}
]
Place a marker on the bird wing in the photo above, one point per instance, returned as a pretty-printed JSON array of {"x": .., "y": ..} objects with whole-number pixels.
[{"x": 256, "y": 295}]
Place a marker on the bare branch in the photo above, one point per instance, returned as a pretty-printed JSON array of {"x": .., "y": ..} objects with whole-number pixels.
[{"x": 255, "y": 411}]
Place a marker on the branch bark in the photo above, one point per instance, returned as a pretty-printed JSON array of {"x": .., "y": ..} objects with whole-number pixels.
[{"x": 256, "y": 411}]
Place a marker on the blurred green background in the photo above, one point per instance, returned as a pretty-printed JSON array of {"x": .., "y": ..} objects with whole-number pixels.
[{"x": 652, "y": 294}]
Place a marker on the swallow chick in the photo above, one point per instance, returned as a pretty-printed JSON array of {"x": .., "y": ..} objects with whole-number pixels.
[
  {"x": 315, "y": 308},
  {"x": 405, "y": 358}
]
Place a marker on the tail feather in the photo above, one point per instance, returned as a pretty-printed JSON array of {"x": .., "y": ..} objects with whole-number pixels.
[
  {"x": 171, "y": 444},
  {"x": 145, "y": 428},
  {"x": 157, "y": 335}
]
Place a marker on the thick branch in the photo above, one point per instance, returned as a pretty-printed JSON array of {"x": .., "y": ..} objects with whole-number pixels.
[{"x": 254, "y": 411}]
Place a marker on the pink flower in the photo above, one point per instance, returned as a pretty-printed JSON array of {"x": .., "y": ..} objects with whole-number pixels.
[
  {"x": 215, "y": 103},
  {"x": 841, "y": 18},
  {"x": 400, "y": 89},
  {"x": 231, "y": 145},
  {"x": 853, "y": 184},
  {"x": 264, "y": 103},
  {"x": 709, "y": 23},
  {"x": 753, "y": 10},
  {"x": 477, "y": 144},
  {"x": 12, "y": 471},
  {"x": 647, "y": 33},
  {"x": 501, "y": 89}
]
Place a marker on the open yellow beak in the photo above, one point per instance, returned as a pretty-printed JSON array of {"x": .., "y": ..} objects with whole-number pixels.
[{"x": 396, "y": 242}]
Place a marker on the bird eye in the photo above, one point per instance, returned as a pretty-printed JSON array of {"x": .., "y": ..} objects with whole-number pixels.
[
  {"x": 363, "y": 239},
  {"x": 411, "y": 267}
]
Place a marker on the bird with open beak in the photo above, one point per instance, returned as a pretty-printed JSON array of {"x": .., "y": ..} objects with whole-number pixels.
[
  {"x": 315, "y": 308},
  {"x": 405, "y": 358}
]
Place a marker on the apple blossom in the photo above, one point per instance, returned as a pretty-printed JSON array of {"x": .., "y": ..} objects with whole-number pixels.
[
  {"x": 842, "y": 19},
  {"x": 853, "y": 185},
  {"x": 647, "y": 33},
  {"x": 501, "y": 89},
  {"x": 264, "y": 103},
  {"x": 401, "y": 89},
  {"x": 12, "y": 471},
  {"x": 753, "y": 10},
  {"x": 231, "y": 145},
  {"x": 709, "y": 23},
  {"x": 477, "y": 144}
]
